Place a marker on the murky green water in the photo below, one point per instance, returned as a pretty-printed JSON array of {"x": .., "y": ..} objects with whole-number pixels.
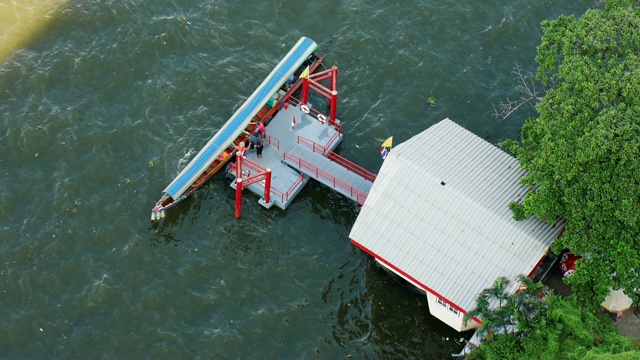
[{"x": 104, "y": 105}]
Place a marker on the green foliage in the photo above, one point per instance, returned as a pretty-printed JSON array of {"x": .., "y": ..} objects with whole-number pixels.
[
  {"x": 503, "y": 347},
  {"x": 512, "y": 147},
  {"x": 583, "y": 151},
  {"x": 502, "y": 312},
  {"x": 562, "y": 330},
  {"x": 595, "y": 355}
]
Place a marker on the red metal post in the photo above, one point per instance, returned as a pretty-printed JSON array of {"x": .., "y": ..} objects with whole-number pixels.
[
  {"x": 305, "y": 91},
  {"x": 334, "y": 95},
  {"x": 238, "y": 184},
  {"x": 238, "y": 165},
  {"x": 333, "y": 106},
  {"x": 334, "y": 78},
  {"x": 267, "y": 187},
  {"x": 238, "y": 197}
]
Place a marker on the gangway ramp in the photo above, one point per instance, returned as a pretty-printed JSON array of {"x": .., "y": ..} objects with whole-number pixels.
[{"x": 330, "y": 169}]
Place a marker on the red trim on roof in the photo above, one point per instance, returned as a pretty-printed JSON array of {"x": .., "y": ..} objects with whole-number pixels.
[
  {"x": 423, "y": 286},
  {"x": 535, "y": 268}
]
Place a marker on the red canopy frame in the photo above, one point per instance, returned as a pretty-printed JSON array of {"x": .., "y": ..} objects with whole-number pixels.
[{"x": 313, "y": 82}]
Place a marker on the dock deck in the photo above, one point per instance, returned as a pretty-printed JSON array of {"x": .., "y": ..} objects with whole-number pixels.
[
  {"x": 287, "y": 182},
  {"x": 330, "y": 173},
  {"x": 303, "y": 151}
]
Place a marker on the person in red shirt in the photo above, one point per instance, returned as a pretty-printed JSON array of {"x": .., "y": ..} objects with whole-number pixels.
[{"x": 242, "y": 149}]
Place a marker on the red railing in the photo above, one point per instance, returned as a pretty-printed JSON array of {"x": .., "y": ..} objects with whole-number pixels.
[
  {"x": 356, "y": 169},
  {"x": 313, "y": 146},
  {"x": 293, "y": 101},
  {"x": 353, "y": 192},
  {"x": 272, "y": 140},
  {"x": 335, "y": 136},
  {"x": 257, "y": 168},
  {"x": 253, "y": 165},
  {"x": 285, "y": 196}
]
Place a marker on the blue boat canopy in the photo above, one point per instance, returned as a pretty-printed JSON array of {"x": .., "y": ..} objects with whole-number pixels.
[{"x": 241, "y": 118}]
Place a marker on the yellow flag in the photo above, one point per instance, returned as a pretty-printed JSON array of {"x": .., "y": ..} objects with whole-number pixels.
[
  {"x": 388, "y": 143},
  {"x": 304, "y": 74}
]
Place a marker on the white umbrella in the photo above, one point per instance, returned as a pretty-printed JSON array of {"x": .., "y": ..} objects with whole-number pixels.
[{"x": 616, "y": 301}]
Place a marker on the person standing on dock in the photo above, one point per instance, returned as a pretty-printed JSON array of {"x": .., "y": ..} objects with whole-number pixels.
[
  {"x": 253, "y": 141},
  {"x": 261, "y": 131},
  {"x": 259, "y": 148}
]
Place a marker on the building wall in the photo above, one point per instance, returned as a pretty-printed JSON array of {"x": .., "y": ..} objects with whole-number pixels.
[
  {"x": 448, "y": 315},
  {"x": 439, "y": 307}
]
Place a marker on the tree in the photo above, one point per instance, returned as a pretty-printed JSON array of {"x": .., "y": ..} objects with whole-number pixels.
[
  {"x": 493, "y": 317},
  {"x": 552, "y": 327},
  {"x": 503, "y": 312},
  {"x": 582, "y": 153}
]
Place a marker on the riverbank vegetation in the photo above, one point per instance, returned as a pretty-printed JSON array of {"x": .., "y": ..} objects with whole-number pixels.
[
  {"x": 535, "y": 324},
  {"x": 582, "y": 152}
]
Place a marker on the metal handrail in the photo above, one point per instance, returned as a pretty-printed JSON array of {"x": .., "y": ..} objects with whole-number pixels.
[
  {"x": 269, "y": 137},
  {"x": 337, "y": 183},
  {"x": 350, "y": 166},
  {"x": 278, "y": 193},
  {"x": 284, "y": 196},
  {"x": 254, "y": 166},
  {"x": 298, "y": 181},
  {"x": 336, "y": 135}
]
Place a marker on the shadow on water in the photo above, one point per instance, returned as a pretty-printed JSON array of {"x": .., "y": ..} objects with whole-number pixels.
[
  {"x": 397, "y": 309},
  {"x": 376, "y": 315},
  {"x": 162, "y": 236},
  {"x": 328, "y": 204}
]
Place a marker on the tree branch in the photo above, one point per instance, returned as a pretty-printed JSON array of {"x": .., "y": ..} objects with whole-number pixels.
[{"x": 529, "y": 94}]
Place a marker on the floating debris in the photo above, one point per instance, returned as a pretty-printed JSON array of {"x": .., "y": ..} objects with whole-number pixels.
[{"x": 183, "y": 20}]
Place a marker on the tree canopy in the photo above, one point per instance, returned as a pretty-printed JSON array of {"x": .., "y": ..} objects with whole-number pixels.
[
  {"x": 561, "y": 329},
  {"x": 583, "y": 151},
  {"x": 502, "y": 312}
]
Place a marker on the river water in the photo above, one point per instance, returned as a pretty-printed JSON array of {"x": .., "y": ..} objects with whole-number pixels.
[{"x": 102, "y": 103}]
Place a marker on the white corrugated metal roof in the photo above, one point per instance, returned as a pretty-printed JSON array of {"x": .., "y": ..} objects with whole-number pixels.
[{"x": 439, "y": 212}]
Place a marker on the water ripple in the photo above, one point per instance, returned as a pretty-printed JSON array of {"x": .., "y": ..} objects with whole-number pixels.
[{"x": 104, "y": 105}]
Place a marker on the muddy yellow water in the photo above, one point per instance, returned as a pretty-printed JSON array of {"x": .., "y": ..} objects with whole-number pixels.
[{"x": 21, "y": 20}]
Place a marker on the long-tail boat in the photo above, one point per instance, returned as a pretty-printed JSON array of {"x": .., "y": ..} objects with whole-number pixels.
[{"x": 260, "y": 107}]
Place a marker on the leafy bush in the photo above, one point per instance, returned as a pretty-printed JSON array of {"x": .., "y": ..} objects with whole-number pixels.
[{"x": 561, "y": 329}]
